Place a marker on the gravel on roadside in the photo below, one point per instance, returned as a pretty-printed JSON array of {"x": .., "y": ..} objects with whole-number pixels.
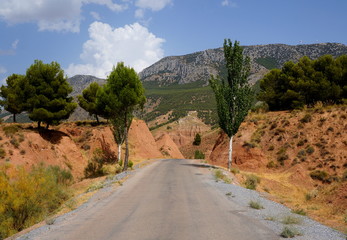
[{"x": 274, "y": 214}]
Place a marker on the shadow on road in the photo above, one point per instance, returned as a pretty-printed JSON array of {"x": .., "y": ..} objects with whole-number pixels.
[{"x": 198, "y": 165}]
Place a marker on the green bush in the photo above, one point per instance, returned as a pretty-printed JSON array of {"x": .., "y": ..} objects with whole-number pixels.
[
  {"x": 235, "y": 170},
  {"x": 252, "y": 181},
  {"x": 130, "y": 164},
  {"x": 271, "y": 164},
  {"x": 111, "y": 169},
  {"x": 197, "y": 140},
  {"x": 344, "y": 176},
  {"x": 219, "y": 175},
  {"x": 309, "y": 150},
  {"x": 199, "y": 155},
  {"x": 289, "y": 233},
  {"x": 28, "y": 197},
  {"x": 291, "y": 220},
  {"x": 14, "y": 142},
  {"x": 319, "y": 175},
  {"x": 2, "y": 153},
  {"x": 299, "y": 211},
  {"x": 255, "y": 205},
  {"x": 307, "y": 118},
  {"x": 10, "y": 130}
]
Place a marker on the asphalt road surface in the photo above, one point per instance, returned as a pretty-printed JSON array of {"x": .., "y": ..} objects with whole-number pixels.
[{"x": 169, "y": 199}]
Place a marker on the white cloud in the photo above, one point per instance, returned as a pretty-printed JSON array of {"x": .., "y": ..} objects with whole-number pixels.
[
  {"x": 109, "y": 3},
  {"x": 226, "y": 3},
  {"x": 52, "y": 15},
  {"x": 154, "y": 5},
  {"x": 15, "y": 44},
  {"x": 2, "y": 70},
  {"x": 95, "y": 15},
  {"x": 133, "y": 44},
  {"x": 139, "y": 13}
]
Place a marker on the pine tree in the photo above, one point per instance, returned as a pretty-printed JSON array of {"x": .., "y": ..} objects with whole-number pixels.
[
  {"x": 14, "y": 94},
  {"x": 233, "y": 95},
  {"x": 87, "y": 100},
  {"x": 49, "y": 101},
  {"x": 122, "y": 94}
]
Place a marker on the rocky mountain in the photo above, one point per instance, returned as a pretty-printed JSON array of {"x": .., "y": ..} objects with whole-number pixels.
[
  {"x": 80, "y": 82},
  {"x": 200, "y": 66}
]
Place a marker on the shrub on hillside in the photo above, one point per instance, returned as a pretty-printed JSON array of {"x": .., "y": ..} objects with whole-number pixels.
[
  {"x": 10, "y": 130},
  {"x": 252, "y": 181},
  {"x": 199, "y": 155},
  {"x": 320, "y": 175},
  {"x": 2, "y": 153},
  {"x": 197, "y": 140}
]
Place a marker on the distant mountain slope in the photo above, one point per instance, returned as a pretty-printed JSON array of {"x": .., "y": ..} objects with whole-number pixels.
[
  {"x": 200, "y": 66},
  {"x": 79, "y": 83}
]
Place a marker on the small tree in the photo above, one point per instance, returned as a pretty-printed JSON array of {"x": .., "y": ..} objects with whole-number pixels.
[
  {"x": 233, "y": 95},
  {"x": 14, "y": 94},
  {"x": 49, "y": 101},
  {"x": 87, "y": 100},
  {"x": 121, "y": 95},
  {"x": 197, "y": 140}
]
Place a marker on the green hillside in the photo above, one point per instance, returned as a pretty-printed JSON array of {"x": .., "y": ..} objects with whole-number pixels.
[{"x": 181, "y": 98}]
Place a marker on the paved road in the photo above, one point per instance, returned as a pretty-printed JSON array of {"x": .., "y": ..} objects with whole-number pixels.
[{"x": 170, "y": 199}]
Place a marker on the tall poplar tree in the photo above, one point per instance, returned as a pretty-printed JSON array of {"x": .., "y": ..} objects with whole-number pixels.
[{"x": 233, "y": 94}]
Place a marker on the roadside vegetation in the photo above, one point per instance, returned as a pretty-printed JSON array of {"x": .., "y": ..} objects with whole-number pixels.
[{"x": 28, "y": 197}]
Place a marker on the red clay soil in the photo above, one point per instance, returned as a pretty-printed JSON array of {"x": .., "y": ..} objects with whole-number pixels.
[
  {"x": 167, "y": 147},
  {"x": 286, "y": 148},
  {"x": 143, "y": 145},
  {"x": 70, "y": 146}
]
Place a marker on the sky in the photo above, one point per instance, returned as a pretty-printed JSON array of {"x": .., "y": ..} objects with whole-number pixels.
[{"x": 91, "y": 36}]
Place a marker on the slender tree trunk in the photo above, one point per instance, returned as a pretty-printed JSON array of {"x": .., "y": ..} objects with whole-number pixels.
[
  {"x": 126, "y": 157},
  {"x": 47, "y": 126},
  {"x": 14, "y": 118},
  {"x": 97, "y": 119},
  {"x": 39, "y": 124},
  {"x": 230, "y": 152},
  {"x": 119, "y": 152}
]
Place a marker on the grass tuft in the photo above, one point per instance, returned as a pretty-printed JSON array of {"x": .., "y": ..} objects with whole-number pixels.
[
  {"x": 255, "y": 205},
  {"x": 289, "y": 233},
  {"x": 291, "y": 220}
]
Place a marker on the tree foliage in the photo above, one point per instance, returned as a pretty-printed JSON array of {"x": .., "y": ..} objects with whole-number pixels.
[
  {"x": 305, "y": 83},
  {"x": 197, "y": 140},
  {"x": 87, "y": 100},
  {"x": 48, "y": 100},
  {"x": 122, "y": 94},
  {"x": 233, "y": 94},
  {"x": 14, "y": 94}
]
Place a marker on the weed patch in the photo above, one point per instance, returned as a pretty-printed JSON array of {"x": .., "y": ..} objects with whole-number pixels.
[
  {"x": 219, "y": 175},
  {"x": 289, "y": 233},
  {"x": 252, "y": 181},
  {"x": 199, "y": 155},
  {"x": 255, "y": 205},
  {"x": 299, "y": 211},
  {"x": 291, "y": 220}
]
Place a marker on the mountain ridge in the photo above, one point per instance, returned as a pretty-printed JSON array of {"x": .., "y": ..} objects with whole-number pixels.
[{"x": 199, "y": 66}]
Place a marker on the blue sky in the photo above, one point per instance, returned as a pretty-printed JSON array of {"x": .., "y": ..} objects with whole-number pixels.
[{"x": 90, "y": 36}]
